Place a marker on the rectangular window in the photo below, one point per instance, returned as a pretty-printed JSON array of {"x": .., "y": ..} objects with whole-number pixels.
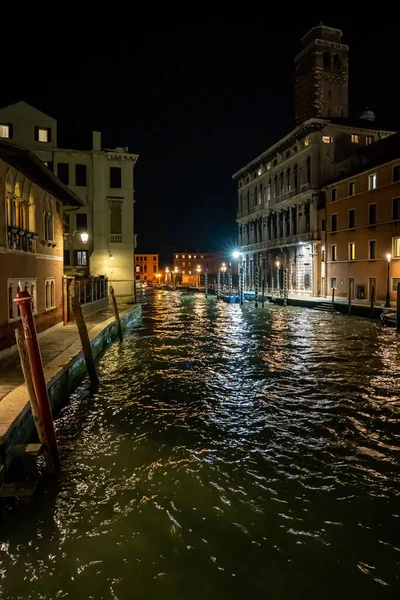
[
  {"x": 396, "y": 247},
  {"x": 115, "y": 177},
  {"x": 352, "y": 218},
  {"x": 49, "y": 293},
  {"x": 323, "y": 254},
  {"x": 372, "y": 182},
  {"x": 63, "y": 172},
  {"x": 82, "y": 258},
  {"x": 355, "y": 138},
  {"x": 396, "y": 173},
  {"x": 116, "y": 219},
  {"x": 67, "y": 259},
  {"x": 333, "y": 253},
  {"x": 372, "y": 249},
  {"x": 327, "y": 139},
  {"x": 80, "y": 175},
  {"x": 81, "y": 222},
  {"x": 154, "y": 269},
  {"x": 145, "y": 258},
  {"x": 5, "y": 131},
  {"x": 372, "y": 214},
  {"x": 333, "y": 283},
  {"x": 154, "y": 258},
  {"x": 396, "y": 209},
  {"x": 352, "y": 188},
  {"x": 43, "y": 135},
  {"x": 334, "y": 222},
  {"x": 323, "y": 225},
  {"x": 352, "y": 251},
  {"x": 368, "y": 140},
  {"x": 395, "y": 281},
  {"x": 334, "y": 194}
]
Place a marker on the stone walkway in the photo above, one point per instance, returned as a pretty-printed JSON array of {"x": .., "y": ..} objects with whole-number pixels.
[{"x": 51, "y": 343}]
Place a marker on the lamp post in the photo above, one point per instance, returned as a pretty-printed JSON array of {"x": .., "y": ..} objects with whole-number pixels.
[
  {"x": 158, "y": 275},
  {"x": 236, "y": 257},
  {"x": 166, "y": 275},
  {"x": 278, "y": 283},
  {"x": 223, "y": 271},
  {"x": 387, "y": 303},
  {"x": 198, "y": 270},
  {"x": 175, "y": 275}
]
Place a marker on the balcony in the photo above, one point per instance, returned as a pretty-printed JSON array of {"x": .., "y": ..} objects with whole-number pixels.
[
  {"x": 278, "y": 242},
  {"x": 19, "y": 239},
  {"x": 115, "y": 238}
]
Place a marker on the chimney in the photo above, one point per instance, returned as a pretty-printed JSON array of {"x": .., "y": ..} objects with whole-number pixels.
[{"x": 96, "y": 140}]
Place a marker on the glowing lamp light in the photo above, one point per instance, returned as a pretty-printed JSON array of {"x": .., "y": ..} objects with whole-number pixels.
[
  {"x": 388, "y": 257},
  {"x": 84, "y": 237},
  {"x": 278, "y": 264},
  {"x": 235, "y": 254},
  {"x": 111, "y": 256}
]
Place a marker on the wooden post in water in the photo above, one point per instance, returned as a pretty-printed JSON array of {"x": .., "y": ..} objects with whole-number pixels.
[
  {"x": 398, "y": 309},
  {"x": 37, "y": 418},
  {"x": 116, "y": 313},
  {"x": 256, "y": 278},
  {"x": 333, "y": 300},
  {"x": 263, "y": 293},
  {"x": 372, "y": 301},
  {"x": 350, "y": 291},
  {"x": 86, "y": 347}
]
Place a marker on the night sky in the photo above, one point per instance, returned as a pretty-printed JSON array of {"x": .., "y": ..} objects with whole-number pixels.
[{"x": 196, "y": 104}]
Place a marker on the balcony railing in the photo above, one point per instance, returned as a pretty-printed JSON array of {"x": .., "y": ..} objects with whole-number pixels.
[
  {"x": 115, "y": 238},
  {"x": 19, "y": 239},
  {"x": 91, "y": 289}
]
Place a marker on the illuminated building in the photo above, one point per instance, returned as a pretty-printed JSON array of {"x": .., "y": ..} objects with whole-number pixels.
[{"x": 146, "y": 267}]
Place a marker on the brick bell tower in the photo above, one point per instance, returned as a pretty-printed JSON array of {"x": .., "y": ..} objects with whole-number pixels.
[{"x": 322, "y": 75}]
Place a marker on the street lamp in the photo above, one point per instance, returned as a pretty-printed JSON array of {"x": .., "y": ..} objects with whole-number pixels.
[
  {"x": 198, "y": 269},
  {"x": 158, "y": 275},
  {"x": 235, "y": 254},
  {"x": 166, "y": 275},
  {"x": 223, "y": 270},
  {"x": 278, "y": 286},
  {"x": 175, "y": 275},
  {"x": 387, "y": 303}
]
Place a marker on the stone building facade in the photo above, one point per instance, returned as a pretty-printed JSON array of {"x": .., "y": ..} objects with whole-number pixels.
[
  {"x": 279, "y": 192},
  {"x": 360, "y": 227},
  {"x": 146, "y": 267},
  {"x": 104, "y": 181},
  {"x": 31, "y": 239}
]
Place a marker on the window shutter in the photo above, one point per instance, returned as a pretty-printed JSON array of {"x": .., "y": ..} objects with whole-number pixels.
[
  {"x": 10, "y": 130},
  {"x": 36, "y": 133}
]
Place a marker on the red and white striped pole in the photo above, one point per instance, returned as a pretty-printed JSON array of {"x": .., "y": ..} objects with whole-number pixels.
[{"x": 24, "y": 301}]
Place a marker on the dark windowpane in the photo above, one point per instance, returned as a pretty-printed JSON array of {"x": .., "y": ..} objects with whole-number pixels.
[
  {"x": 81, "y": 222},
  {"x": 115, "y": 218},
  {"x": 63, "y": 172},
  {"x": 396, "y": 208},
  {"x": 67, "y": 259},
  {"x": 115, "y": 177},
  {"x": 334, "y": 222},
  {"x": 396, "y": 173},
  {"x": 352, "y": 188},
  {"x": 80, "y": 175},
  {"x": 352, "y": 218},
  {"x": 323, "y": 225},
  {"x": 372, "y": 214},
  {"x": 372, "y": 248},
  {"x": 334, "y": 194}
]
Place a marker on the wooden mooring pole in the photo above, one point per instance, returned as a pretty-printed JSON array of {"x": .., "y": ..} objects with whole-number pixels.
[
  {"x": 256, "y": 280},
  {"x": 372, "y": 301},
  {"x": 37, "y": 418},
  {"x": 263, "y": 293},
  {"x": 116, "y": 313},
  {"x": 333, "y": 300},
  {"x": 350, "y": 292},
  {"x": 86, "y": 347},
  {"x": 398, "y": 308}
]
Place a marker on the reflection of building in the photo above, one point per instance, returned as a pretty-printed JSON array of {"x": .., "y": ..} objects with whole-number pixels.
[
  {"x": 360, "y": 226},
  {"x": 31, "y": 239},
  {"x": 146, "y": 267},
  {"x": 190, "y": 264},
  {"x": 103, "y": 180},
  {"x": 279, "y": 191}
]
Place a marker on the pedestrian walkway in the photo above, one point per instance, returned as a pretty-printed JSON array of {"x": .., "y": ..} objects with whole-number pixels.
[{"x": 52, "y": 343}]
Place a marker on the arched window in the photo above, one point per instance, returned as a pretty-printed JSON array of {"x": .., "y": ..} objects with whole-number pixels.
[
  {"x": 308, "y": 165},
  {"x": 281, "y": 183},
  {"x": 336, "y": 61},
  {"x": 288, "y": 180},
  {"x": 248, "y": 200},
  {"x": 275, "y": 186},
  {"x": 47, "y": 294},
  {"x": 260, "y": 194},
  {"x": 295, "y": 177},
  {"x": 327, "y": 59},
  {"x": 268, "y": 190}
]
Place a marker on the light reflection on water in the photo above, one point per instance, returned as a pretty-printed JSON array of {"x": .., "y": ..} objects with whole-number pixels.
[{"x": 229, "y": 453}]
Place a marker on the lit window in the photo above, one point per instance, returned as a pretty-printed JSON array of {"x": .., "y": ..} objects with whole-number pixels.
[
  {"x": 177, "y": 256},
  {"x": 368, "y": 140},
  {"x": 50, "y": 301},
  {"x": 190, "y": 272},
  {"x": 190, "y": 256},
  {"x": 396, "y": 247},
  {"x": 268, "y": 166},
  {"x": 333, "y": 253},
  {"x": 355, "y": 138},
  {"x": 327, "y": 139},
  {"x": 183, "y": 264},
  {"x": 81, "y": 258},
  {"x": 202, "y": 256},
  {"x": 43, "y": 135},
  {"x": 194, "y": 256},
  {"x": 352, "y": 251},
  {"x": 4, "y": 131},
  {"x": 183, "y": 272},
  {"x": 259, "y": 172},
  {"x": 352, "y": 188},
  {"x": 307, "y": 141},
  {"x": 183, "y": 256},
  {"x": 372, "y": 182}
]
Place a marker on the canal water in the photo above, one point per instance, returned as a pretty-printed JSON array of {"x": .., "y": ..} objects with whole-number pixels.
[{"x": 229, "y": 453}]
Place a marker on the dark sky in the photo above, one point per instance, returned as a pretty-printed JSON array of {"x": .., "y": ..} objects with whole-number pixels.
[{"x": 196, "y": 103}]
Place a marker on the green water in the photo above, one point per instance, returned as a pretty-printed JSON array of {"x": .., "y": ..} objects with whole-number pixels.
[{"x": 229, "y": 453}]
